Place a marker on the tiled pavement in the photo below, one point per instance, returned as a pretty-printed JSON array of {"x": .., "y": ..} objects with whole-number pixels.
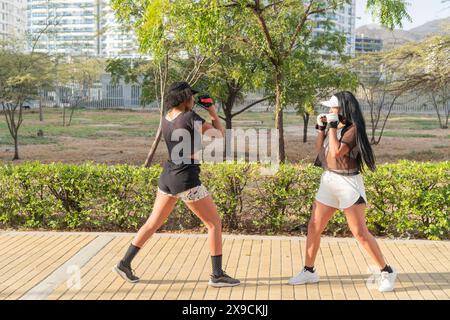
[{"x": 50, "y": 265}]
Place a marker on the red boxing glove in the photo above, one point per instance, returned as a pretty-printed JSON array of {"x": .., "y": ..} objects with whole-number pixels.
[{"x": 205, "y": 101}]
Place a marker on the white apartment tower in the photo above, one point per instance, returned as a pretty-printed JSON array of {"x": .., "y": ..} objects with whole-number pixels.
[
  {"x": 344, "y": 22},
  {"x": 79, "y": 27},
  {"x": 12, "y": 19}
]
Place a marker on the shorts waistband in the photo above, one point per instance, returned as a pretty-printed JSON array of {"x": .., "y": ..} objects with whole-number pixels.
[{"x": 344, "y": 173}]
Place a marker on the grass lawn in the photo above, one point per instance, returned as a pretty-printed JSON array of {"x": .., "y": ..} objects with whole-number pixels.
[{"x": 98, "y": 133}]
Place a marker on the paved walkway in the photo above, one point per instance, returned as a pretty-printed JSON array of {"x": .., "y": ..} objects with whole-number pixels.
[{"x": 50, "y": 265}]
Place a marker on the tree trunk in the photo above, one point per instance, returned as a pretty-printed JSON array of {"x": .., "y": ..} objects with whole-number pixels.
[
  {"x": 155, "y": 144},
  {"x": 41, "y": 114},
  {"x": 305, "y": 126},
  {"x": 227, "y": 110},
  {"x": 16, "y": 147},
  {"x": 373, "y": 129},
  {"x": 71, "y": 112},
  {"x": 228, "y": 122},
  {"x": 64, "y": 115},
  {"x": 279, "y": 114}
]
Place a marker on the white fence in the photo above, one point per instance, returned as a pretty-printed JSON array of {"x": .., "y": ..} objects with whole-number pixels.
[{"x": 116, "y": 97}]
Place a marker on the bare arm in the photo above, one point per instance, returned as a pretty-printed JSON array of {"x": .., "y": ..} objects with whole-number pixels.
[
  {"x": 213, "y": 129},
  {"x": 336, "y": 149},
  {"x": 320, "y": 139}
]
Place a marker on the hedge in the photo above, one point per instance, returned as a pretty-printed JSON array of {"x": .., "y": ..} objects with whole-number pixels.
[{"x": 406, "y": 199}]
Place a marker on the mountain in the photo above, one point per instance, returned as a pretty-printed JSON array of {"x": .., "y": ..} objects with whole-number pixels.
[
  {"x": 434, "y": 27},
  {"x": 397, "y": 37},
  {"x": 389, "y": 37}
]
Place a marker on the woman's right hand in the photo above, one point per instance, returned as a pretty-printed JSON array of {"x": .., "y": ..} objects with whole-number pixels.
[
  {"x": 212, "y": 110},
  {"x": 320, "y": 119}
]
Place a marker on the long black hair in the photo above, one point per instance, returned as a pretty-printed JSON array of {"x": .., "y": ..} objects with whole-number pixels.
[{"x": 350, "y": 113}]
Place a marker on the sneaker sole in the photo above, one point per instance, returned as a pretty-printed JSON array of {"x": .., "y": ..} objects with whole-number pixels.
[
  {"x": 304, "y": 282},
  {"x": 123, "y": 275},
  {"x": 222, "y": 284}
]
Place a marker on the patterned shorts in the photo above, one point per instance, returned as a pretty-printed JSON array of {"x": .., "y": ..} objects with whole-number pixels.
[{"x": 193, "y": 194}]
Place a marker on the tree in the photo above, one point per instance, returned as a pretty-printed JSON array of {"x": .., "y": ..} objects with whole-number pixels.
[
  {"x": 310, "y": 77},
  {"x": 378, "y": 74},
  {"x": 269, "y": 30},
  {"x": 235, "y": 73},
  {"x": 425, "y": 70},
  {"x": 273, "y": 30},
  {"x": 22, "y": 75},
  {"x": 168, "y": 31},
  {"x": 79, "y": 73}
]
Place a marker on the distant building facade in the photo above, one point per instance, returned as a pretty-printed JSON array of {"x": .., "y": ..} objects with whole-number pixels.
[
  {"x": 344, "y": 21},
  {"x": 365, "y": 44},
  {"x": 79, "y": 27},
  {"x": 12, "y": 19}
]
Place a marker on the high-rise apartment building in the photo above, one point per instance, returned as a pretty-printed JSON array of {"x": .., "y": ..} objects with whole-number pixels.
[
  {"x": 12, "y": 19},
  {"x": 343, "y": 21},
  {"x": 79, "y": 27}
]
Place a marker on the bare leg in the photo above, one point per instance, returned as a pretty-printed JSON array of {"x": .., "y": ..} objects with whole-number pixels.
[
  {"x": 317, "y": 223},
  {"x": 206, "y": 210},
  {"x": 357, "y": 223},
  {"x": 162, "y": 208}
]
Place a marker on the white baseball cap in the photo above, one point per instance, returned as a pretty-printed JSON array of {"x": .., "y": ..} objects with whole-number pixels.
[{"x": 332, "y": 103}]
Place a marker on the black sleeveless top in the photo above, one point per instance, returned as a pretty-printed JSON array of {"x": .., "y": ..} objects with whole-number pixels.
[{"x": 183, "y": 136}]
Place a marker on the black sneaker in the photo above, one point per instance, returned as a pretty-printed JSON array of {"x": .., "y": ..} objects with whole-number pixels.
[
  {"x": 125, "y": 272},
  {"x": 223, "y": 280}
]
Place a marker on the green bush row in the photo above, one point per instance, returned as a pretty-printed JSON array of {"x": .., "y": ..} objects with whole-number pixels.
[{"x": 407, "y": 199}]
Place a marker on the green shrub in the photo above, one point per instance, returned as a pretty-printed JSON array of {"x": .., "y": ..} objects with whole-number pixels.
[
  {"x": 226, "y": 182},
  {"x": 282, "y": 201},
  {"x": 410, "y": 199},
  {"x": 407, "y": 199}
]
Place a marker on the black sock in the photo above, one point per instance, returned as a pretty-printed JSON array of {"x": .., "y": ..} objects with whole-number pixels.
[
  {"x": 387, "y": 269},
  {"x": 310, "y": 269},
  {"x": 217, "y": 265},
  {"x": 129, "y": 256}
]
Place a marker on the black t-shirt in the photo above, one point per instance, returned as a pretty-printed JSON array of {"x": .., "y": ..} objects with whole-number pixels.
[{"x": 183, "y": 136}]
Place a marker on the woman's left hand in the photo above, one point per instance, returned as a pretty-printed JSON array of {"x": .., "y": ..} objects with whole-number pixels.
[{"x": 333, "y": 120}]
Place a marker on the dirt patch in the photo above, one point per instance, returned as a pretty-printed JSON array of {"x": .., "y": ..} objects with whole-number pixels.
[{"x": 133, "y": 150}]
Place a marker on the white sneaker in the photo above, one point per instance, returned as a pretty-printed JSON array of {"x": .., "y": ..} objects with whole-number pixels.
[
  {"x": 303, "y": 277},
  {"x": 387, "y": 281}
]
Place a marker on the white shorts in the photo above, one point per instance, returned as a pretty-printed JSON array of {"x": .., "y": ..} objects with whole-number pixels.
[
  {"x": 193, "y": 194},
  {"x": 340, "y": 192}
]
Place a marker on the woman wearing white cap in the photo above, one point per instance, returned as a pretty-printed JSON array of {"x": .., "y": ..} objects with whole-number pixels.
[{"x": 344, "y": 149}]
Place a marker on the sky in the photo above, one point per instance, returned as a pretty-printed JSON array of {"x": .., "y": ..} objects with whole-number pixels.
[{"x": 421, "y": 11}]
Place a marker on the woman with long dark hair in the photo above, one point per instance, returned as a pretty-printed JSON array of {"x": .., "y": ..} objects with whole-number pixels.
[
  {"x": 344, "y": 152},
  {"x": 182, "y": 129}
]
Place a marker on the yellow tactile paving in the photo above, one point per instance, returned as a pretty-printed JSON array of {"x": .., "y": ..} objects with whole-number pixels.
[
  {"x": 178, "y": 267},
  {"x": 184, "y": 274},
  {"x": 358, "y": 267},
  {"x": 52, "y": 261},
  {"x": 34, "y": 263},
  {"x": 156, "y": 290},
  {"x": 199, "y": 259},
  {"x": 262, "y": 292},
  {"x": 99, "y": 271},
  {"x": 18, "y": 248},
  {"x": 108, "y": 281},
  {"x": 287, "y": 291},
  {"x": 231, "y": 265},
  {"x": 432, "y": 265},
  {"x": 87, "y": 273},
  {"x": 297, "y": 251},
  {"x": 172, "y": 274},
  {"x": 275, "y": 271}
]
